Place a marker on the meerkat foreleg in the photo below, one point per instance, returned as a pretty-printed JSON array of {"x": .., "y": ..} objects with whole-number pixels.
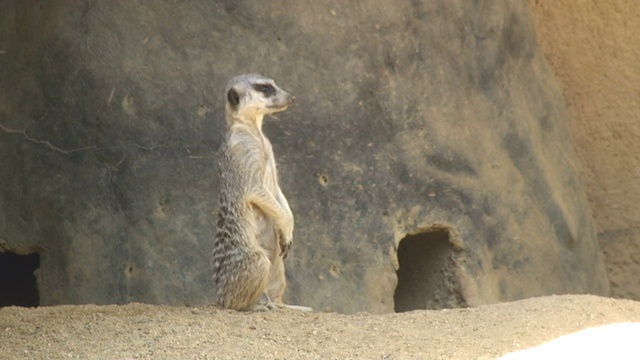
[
  {"x": 285, "y": 244},
  {"x": 267, "y": 203}
]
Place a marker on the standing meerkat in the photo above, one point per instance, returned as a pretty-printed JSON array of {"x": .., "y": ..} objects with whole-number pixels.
[{"x": 255, "y": 222}]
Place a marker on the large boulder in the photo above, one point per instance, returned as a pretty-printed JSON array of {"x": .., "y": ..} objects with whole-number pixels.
[{"x": 427, "y": 158}]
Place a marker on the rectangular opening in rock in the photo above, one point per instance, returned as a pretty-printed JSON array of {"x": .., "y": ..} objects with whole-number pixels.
[
  {"x": 426, "y": 276},
  {"x": 17, "y": 280}
]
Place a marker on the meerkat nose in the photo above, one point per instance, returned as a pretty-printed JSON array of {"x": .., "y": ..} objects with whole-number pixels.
[{"x": 292, "y": 98}]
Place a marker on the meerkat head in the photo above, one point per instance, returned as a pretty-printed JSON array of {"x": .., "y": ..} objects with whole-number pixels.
[{"x": 252, "y": 96}]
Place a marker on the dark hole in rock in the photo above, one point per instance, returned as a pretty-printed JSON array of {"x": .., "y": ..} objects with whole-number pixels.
[
  {"x": 426, "y": 277},
  {"x": 17, "y": 281}
]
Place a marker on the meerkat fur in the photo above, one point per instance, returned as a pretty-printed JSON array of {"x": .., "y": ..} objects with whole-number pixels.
[{"x": 255, "y": 223}]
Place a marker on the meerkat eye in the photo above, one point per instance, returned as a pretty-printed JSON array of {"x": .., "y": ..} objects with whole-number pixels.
[{"x": 266, "y": 89}]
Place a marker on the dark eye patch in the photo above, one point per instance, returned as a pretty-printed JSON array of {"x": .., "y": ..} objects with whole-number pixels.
[{"x": 266, "y": 89}]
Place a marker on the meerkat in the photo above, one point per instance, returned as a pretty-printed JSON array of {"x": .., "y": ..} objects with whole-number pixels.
[{"x": 255, "y": 223}]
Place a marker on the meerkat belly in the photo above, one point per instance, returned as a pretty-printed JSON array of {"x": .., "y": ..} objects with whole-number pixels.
[{"x": 266, "y": 231}]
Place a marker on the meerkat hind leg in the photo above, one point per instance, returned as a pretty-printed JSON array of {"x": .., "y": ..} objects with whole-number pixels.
[{"x": 264, "y": 304}]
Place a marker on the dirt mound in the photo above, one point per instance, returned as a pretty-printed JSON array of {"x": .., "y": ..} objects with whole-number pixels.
[{"x": 139, "y": 331}]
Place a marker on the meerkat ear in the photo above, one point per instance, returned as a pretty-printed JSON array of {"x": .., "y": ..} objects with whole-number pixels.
[{"x": 233, "y": 98}]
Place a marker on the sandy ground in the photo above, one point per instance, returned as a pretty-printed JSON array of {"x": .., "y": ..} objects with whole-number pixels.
[{"x": 138, "y": 331}]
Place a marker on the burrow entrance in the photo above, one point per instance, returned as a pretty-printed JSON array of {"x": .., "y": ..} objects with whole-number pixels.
[
  {"x": 17, "y": 281},
  {"x": 426, "y": 277}
]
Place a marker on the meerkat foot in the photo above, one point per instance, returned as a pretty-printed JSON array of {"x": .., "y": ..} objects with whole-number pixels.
[
  {"x": 264, "y": 304},
  {"x": 295, "y": 307},
  {"x": 274, "y": 306},
  {"x": 260, "y": 308}
]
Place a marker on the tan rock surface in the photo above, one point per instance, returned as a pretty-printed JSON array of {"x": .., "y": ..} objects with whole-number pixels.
[{"x": 594, "y": 49}]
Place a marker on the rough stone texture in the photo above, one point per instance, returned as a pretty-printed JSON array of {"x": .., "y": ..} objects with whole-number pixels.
[
  {"x": 594, "y": 49},
  {"x": 411, "y": 118}
]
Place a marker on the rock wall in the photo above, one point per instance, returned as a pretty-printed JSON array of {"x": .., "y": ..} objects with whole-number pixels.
[
  {"x": 434, "y": 121},
  {"x": 594, "y": 50}
]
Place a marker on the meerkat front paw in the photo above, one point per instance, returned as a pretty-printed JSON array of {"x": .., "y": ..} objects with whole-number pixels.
[
  {"x": 284, "y": 249},
  {"x": 285, "y": 241}
]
